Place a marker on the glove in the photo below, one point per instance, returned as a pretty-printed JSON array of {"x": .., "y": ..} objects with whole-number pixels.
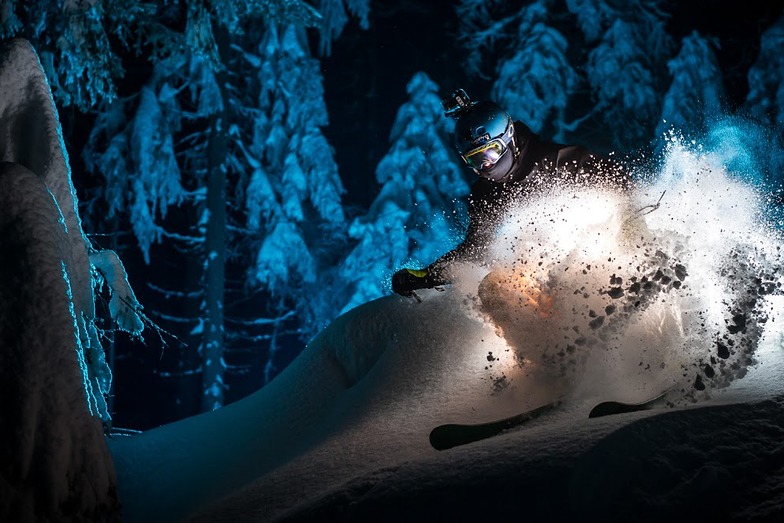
[{"x": 406, "y": 281}]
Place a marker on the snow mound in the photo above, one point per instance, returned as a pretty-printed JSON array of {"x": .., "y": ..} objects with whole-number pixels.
[
  {"x": 364, "y": 394},
  {"x": 55, "y": 465},
  {"x": 717, "y": 458}
]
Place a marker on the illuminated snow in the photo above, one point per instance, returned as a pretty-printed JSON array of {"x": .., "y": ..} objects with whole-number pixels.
[{"x": 589, "y": 250}]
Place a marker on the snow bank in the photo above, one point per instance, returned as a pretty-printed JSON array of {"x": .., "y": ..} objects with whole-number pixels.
[
  {"x": 54, "y": 462},
  {"x": 55, "y": 465},
  {"x": 711, "y": 463},
  {"x": 366, "y": 389}
]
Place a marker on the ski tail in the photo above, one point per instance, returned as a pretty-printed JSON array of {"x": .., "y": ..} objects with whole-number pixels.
[
  {"x": 608, "y": 408},
  {"x": 452, "y": 435}
]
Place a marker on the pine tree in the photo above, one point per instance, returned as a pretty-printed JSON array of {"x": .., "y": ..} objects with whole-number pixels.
[
  {"x": 618, "y": 51},
  {"x": 334, "y": 18},
  {"x": 185, "y": 125},
  {"x": 132, "y": 146},
  {"x": 295, "y": 217},
  {"x": 484, "y": 27},
  {"x": 417, "y": 211},
  {"x": 696, "y": 94},
  {"x": 143, "y": 161},
  {"x": 631, "y": 46},
  {"x": 765, "y": 99},
  {"x": 534, "y": 83},
  {"x": 73, "y": 46},
  {"x": 593, "y": 16}
]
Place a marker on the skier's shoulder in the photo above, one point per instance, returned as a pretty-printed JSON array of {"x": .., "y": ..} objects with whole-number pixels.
[
  {"x": 575, "y": 156},
  {"x": 539, "y": 150},
  {"x": 590, "y": 165},
  {"x": 483, "y": 190},
  {"x": 523, "y": 133},
  {"x": 487, "y": 199}
]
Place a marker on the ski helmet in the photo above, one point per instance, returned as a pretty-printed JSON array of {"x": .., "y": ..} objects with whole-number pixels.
[{"x": 485, "y": 139}]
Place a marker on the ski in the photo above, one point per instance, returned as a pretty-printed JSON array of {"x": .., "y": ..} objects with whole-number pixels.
[
  {"x": 455, "y": 434},
  {"x": 608, "y": 408},
  {"x": 452, "y": 435}
]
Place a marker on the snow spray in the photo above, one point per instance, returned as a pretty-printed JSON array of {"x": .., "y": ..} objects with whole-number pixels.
[{"x": 663, "y": 287}]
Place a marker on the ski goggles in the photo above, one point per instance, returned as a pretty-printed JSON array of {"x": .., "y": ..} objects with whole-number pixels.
[{"x": 487, "y": 155}]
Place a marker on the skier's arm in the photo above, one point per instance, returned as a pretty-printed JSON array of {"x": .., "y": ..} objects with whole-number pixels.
[
  {"x": 406, "y": 281},
  {"x": 481, "y": 204},
  {"x": 478, "y": 236},
  {"x": 472, "y": 248}
]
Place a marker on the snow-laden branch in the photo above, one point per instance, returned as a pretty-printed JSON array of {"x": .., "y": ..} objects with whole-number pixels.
[
  {"x": 123, "y": 305},
  {"x": 175, "y": 294}
]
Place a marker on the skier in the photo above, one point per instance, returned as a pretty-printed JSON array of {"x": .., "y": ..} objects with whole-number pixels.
[{"x": 511, "y": 162}]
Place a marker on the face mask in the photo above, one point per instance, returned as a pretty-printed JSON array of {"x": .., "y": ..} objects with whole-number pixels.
[{"x": 500, "y": 170}]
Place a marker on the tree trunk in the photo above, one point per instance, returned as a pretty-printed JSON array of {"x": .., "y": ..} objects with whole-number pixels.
[
  {"x": 214, "y": 270},
  {"x": 213, "y": 365}
]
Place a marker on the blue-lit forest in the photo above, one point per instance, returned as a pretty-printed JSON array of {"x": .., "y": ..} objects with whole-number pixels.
[
  {"x": 213, "y": 215},
  {"x": 263, "y": 166}
]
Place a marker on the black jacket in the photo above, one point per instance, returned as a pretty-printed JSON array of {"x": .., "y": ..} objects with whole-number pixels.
[{"x": 540, "y": 165}]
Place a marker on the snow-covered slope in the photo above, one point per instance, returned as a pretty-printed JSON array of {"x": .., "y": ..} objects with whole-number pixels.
[
  {"x": 590, "y": 299},
  {"x": 365, "y": 389},
  {"x": 317, "y": 446},
  {"x": 719, "y": 463}
]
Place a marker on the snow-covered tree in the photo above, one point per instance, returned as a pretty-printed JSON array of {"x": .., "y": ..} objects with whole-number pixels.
[
  {"x": 74, "y": 45},
  {"x": 293, "y": 200},
  {"x": 765, "y": 100},
  {"x": 593, "y": 16},
  {"x": 417, "y": 215},
  {"x": 543, "y": 55},
  {"x": 696, "y": 94},
  {"x": 766, "y": 79},
  {"x": 484, "y": 25},
  {"x": 535, "y": 82},
  {"x": 54, "y": 375},
  {"x": 190, "y": 141},
  {"x": 630, "y": 47},
  {"x": 334, "y": 18},
  {"x": 28, "y": 111},
  {"x": 132, "y": 146}
]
